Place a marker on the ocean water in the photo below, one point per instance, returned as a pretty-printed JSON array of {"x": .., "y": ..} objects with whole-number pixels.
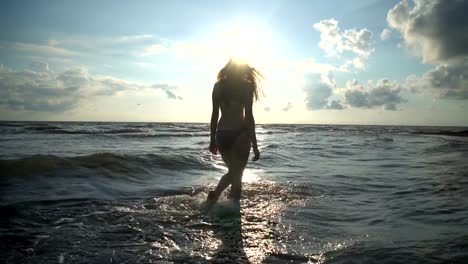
[{"x": 134, "y": 193}]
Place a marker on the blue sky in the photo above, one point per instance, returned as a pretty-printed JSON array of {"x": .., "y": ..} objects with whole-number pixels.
[{"x": 349, "y": 62}]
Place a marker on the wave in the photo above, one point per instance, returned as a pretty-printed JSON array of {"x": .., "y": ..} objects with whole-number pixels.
[
  {"x": 44, "y": 164},
  {"x": 129, "y": 132},
  {"x": 458, "y": 133},
  {"x": 137, "y": 130},
  {"x": 11, "y": 124},
  {"x": 156, "y": 135},
  {"x": 42, "y": 127},
  {"x": 57, "y": 130}
]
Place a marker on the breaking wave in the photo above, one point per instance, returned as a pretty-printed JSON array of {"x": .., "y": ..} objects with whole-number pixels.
[{"x": 108, "y": 161}]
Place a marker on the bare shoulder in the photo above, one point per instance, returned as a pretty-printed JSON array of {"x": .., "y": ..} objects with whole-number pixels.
[{"x": 217, "y": 87}]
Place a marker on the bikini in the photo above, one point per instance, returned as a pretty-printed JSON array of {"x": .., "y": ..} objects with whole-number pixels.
[{"x": 225, "y": 138}]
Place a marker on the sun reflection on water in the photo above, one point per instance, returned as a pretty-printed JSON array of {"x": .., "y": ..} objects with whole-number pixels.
[
  {"x": 247, "y": 233},
  {"x": 251, "y": 176},
  {"x": 179, "y": 227}
]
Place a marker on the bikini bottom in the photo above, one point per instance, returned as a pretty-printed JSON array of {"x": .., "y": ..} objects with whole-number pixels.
[{"x": 225, "y": 138}]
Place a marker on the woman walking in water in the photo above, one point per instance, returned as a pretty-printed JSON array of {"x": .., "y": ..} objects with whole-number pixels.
[{"x": 234, "y": 134}]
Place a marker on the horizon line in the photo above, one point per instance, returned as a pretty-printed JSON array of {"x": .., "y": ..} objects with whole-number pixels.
[{"x": 260, "y": 123}]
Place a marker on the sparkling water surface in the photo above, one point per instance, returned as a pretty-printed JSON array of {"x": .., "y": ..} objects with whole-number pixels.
[{"x": 134, "y": 193}]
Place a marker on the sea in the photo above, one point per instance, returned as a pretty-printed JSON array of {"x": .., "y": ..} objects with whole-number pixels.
[{"x": 103, "y": 192}]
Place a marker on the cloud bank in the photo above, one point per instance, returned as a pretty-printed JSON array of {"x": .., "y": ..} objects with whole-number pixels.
[
  {"x": 39, "y": 89},
  {"x": 384, "y": 93},
  {"x": 320, "y": 92},
  {"x": 445, "y": 81}
]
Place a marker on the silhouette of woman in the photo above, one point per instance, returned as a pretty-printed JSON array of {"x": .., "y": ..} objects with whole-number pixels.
[{"x": 234, "y": 135}]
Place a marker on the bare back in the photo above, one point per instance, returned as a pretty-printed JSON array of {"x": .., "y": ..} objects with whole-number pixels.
[
  {"x": 233, "y": 96},
  {"x": 234, "y": 134}
]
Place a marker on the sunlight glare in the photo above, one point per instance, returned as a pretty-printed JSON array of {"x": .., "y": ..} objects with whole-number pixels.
[
  {"x": 250, "y": 176},
  {"x": 247, "y": 42}
]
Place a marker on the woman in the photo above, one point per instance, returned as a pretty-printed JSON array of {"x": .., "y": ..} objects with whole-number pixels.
[{"x": 234, "y": 92}]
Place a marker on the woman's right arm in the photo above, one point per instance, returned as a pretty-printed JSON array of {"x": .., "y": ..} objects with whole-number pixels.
[
  {"x": 214, "y": 120},
  {"x": 250, "y": 122}
]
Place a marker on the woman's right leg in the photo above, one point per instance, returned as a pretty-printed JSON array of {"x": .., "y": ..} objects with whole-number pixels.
[{"x": 226, "y": 179}]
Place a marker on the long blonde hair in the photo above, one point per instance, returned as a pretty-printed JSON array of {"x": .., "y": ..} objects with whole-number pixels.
[{"x": 237, "y": 70}]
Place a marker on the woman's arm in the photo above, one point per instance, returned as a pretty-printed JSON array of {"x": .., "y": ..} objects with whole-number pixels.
[
  {"x": 214, "y": 120},
  {"x": 250, "y": 122}
]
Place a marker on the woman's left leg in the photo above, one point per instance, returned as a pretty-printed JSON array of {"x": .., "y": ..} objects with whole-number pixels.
[{"x": 241, "y": 151}]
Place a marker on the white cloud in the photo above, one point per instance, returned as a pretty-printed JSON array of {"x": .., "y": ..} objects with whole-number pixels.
[
  {"x": 385, "y": 34},
  {"x": 319, "y": 86},
  {"x": 330, "y": 36},
  {"x": 43, "y": 49},
  {"x": 154, "y": 49},
  {"x": 53, "y": 42},
  {"x": 135, "y": 37},
  {"x": 318, "y": 89},
  {"x": 357, "y": 63},
  {"x": 357, "y": 41},
  {"x": 334, "y": 41},
  {"x": 37, "y": 66},
  {"x": 127, "y": 46},
  {"x": 168, "y": 89}
]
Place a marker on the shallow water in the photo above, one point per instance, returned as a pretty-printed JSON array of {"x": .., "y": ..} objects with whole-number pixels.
[{"x": 134, "y": 192}]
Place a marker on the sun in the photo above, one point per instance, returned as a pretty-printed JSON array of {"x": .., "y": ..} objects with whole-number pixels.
[{"x": 247, "y": 41}]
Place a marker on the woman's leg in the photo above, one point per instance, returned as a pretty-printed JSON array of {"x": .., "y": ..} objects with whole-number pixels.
[
  {"x": 226, "y": 179},
  {"x": 240, "y": 156}
]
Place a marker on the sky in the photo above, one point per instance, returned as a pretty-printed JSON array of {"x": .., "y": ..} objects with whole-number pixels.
[{"x": 369, "y": 62}]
